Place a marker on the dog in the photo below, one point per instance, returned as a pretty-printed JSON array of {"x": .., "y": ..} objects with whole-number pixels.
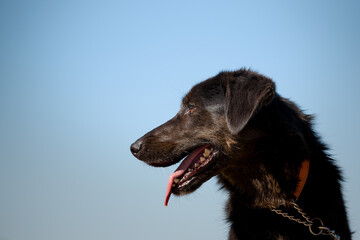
[{"x": 282, "y": 184}]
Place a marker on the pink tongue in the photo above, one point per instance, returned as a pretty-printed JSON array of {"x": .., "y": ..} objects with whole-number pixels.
[{"x": 185, "y": 164}]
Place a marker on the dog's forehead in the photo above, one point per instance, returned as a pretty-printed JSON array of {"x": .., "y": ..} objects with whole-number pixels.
[{"x": 207, "y": 92}]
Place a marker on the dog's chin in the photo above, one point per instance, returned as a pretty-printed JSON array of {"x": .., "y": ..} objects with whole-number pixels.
[{"x": 193, "y": 183}]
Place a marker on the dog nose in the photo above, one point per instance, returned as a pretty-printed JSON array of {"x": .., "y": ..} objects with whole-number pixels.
[{"x": 136, "y": 147}]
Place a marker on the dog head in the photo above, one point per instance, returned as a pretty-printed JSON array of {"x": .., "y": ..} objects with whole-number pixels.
[{"x": 213, "y": 120}]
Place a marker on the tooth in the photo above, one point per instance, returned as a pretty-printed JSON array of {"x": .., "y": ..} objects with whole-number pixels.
[
  {"x": 202, "y": 159},
  {"x": 206, "y": 152},
  {"x": 176, "y": 180}
]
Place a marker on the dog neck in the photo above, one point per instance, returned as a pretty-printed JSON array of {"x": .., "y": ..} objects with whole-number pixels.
[{"x": 264, "y": 197}]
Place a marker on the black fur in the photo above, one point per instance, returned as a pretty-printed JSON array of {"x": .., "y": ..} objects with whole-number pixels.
[{"x": 260, "y": 140}]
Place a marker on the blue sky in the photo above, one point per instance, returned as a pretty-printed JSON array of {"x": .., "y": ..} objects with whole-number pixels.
[{"x": 81, "y": 80}]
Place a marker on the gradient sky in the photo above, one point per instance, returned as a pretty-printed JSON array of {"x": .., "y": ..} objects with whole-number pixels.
[{"x": 81, "y": 80}]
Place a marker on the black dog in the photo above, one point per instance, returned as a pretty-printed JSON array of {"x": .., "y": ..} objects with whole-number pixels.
[{"x": 281, "y": 181}]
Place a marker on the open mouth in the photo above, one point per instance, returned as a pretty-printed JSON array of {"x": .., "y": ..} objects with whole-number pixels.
[{"x": 190, "y": 168}]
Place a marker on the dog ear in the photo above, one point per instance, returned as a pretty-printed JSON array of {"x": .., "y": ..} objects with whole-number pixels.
[{"x": 243, "y": 97}]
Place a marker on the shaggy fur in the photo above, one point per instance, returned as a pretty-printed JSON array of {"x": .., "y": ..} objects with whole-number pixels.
[{"x": 260, "y": 140}]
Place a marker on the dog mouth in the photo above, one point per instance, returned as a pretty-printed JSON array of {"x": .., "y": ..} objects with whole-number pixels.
[{"x": 191, "y": 172}]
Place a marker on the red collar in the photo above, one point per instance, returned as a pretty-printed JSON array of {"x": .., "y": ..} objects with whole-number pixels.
[{"x": 302, "y": 177}]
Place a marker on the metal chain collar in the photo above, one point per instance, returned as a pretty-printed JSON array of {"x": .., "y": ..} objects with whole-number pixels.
[{"x": 315, "y": 225}]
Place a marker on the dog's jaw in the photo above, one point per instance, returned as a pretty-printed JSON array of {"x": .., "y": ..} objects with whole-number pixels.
[{"x": 186, "y": 177}]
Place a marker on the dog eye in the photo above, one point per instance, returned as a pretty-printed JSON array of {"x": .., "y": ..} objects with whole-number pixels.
[{"x": 191, "y": 109}]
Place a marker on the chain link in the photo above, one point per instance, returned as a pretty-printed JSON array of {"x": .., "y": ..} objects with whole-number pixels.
[{"x": 307, "y": 222}]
